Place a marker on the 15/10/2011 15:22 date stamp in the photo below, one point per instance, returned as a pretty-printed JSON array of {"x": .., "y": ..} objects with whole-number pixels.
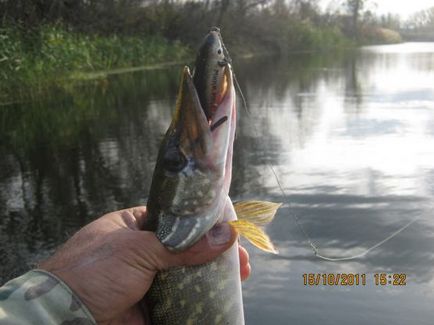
[{"x": 354, "y": 279}]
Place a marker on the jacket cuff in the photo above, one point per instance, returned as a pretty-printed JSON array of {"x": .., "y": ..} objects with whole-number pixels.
[{"x": 39, "y": 297}]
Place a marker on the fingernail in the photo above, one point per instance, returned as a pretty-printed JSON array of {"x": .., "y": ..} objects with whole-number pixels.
[{"x": 219, "y": 234}]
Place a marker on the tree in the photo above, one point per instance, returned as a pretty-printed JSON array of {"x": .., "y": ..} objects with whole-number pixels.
[
  {"x": 423, "y": 19},
  {"x": 355, "y": 8}
]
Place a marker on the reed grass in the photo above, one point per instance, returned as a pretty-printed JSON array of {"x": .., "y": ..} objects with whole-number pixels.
[{"x": 52, "y": 53}]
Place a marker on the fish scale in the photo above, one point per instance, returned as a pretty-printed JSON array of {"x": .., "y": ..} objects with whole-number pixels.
[{"x": 197, "y": 294}]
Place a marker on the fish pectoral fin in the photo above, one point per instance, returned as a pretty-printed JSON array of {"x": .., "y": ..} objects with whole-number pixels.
[
  {"x": 252, "y": 215},
  {"x": 254, "y": 234},
  {"x": 257, "y": 212}
]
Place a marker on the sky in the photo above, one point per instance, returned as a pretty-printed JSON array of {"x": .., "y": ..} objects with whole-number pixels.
[{"x": 404, "y": 8}]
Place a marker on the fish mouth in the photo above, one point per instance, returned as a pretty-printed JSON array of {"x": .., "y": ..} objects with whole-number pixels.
[
  {"x": 204, "y": 140},
  {"x": 207, "y": 142},
  {"x": 222, "y": 121}
]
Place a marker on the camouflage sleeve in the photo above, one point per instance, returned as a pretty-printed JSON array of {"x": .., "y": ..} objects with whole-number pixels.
[{"x": 39, "y": 297}]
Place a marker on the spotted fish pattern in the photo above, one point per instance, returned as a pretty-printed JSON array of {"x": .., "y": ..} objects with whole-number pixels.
[
  {"x": 39, "y": 297},
  {"x": 204, "y": 294}
]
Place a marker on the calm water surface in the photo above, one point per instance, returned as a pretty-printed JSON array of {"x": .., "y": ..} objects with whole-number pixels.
[{"x": 350, "y": 136}]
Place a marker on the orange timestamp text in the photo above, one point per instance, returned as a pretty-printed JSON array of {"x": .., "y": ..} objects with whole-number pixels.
[{"x": 353, "y": 279}]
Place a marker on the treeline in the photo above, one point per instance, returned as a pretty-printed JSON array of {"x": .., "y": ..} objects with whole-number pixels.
[
  {"x": 283, "y": 25},
  {"x": 271, "y": 25},
  {"x": 420, "y": 26},
  {"x": 417, "y": 27},
  {"x": 43, "y": 39}
]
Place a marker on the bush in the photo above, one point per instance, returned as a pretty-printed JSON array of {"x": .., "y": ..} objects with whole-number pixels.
[
  {"x": 377, "y": 35},
  {"x": 54, "y": 53}
]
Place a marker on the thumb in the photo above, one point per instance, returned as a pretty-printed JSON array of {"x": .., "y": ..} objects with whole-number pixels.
[{"x": 220, "y": 238}]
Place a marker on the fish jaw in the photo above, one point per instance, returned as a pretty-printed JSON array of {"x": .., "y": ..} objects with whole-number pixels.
[
  {"x": 189, "y": 130},
  {"x": 223, "y": 136},
  {"x": 188, "y": 189}
]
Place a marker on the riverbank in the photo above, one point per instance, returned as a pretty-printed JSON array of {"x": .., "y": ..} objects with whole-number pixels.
[
  {"x": 32, "y": 61},
  {"x": 50, "y": 54}
]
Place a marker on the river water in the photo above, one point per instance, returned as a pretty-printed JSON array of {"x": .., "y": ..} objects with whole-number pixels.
[{"x": 349, "y": 135}]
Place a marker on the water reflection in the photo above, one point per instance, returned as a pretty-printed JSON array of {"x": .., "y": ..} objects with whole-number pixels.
[
  {"x": 356, "y": 170},
  {"x": 350, "y": 136},
  {"x": 75, "y": 155}
]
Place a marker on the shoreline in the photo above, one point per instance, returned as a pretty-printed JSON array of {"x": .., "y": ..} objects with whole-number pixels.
[{"x": 78, "y": 76}]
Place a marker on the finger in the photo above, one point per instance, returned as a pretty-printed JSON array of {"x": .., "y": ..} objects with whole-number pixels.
[
  {"x": 133, "y": 218},
  {"x": 220, "y": 238},
  {"x": 245, "y": 272},
  {"x": 140, "y": 214},
  {"x": 155, "y": 257},
  {"x": 245, "y": 268},
  {"x": 244, "y": 255}
]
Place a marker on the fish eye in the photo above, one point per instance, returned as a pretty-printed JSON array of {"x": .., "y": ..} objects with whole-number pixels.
[
  {"x": 219, "y": 51},
  {"x": 174, "y": 161}
]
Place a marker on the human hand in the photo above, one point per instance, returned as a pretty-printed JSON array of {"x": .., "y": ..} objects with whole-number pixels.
[{"x": 110, "y": 263}]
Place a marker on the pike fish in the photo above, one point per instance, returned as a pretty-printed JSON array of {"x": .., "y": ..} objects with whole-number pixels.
[{"x": 189, "y": 196}]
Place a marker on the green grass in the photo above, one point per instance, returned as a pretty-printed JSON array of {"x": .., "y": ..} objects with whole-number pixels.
[
  {"x": 286, "y": 36},
  {"x": 31, "y": 62},
  {"x": 39, "y": 58}
]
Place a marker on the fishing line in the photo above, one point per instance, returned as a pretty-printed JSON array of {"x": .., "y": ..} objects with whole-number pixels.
[
  {"x": 237, "y": 85},
  {"x": 229, "y": 60},
  {"x": 316, "y": 249}
]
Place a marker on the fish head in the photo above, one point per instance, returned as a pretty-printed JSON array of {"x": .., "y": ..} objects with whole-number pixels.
[{"x": 188, "y": 191}]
